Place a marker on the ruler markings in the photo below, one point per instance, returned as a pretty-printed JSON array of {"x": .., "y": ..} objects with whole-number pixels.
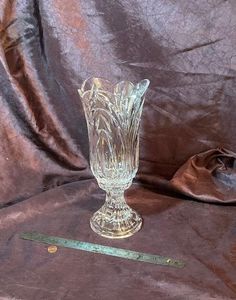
[{"x": 101, "y": 249}]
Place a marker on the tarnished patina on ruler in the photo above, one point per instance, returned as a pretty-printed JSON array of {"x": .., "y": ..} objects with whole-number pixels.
[{"x": 96, "y": 248}]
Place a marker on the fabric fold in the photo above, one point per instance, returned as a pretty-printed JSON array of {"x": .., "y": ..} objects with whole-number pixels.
[{"x": 209, "y": 176}]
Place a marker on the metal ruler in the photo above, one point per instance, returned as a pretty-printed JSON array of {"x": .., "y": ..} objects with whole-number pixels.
[{"x": 95, "y": 248}]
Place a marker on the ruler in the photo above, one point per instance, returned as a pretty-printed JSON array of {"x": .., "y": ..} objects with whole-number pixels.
[{"x": 101, "y": 249}]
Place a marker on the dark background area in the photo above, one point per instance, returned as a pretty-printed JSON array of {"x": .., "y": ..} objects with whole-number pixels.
[{"x": 187, "y": 50}]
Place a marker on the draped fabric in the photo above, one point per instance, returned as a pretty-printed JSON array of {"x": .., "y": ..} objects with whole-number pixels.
[
  {"x": 185, "y": 188},
  {"x": 208, "y": 176}
]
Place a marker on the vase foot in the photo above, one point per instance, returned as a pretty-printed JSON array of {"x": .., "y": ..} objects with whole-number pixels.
[{"x": 115, "y": 223}]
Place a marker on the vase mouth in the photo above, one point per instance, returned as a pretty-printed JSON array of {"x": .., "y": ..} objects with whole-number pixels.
[{"x": 101, "y": 83}]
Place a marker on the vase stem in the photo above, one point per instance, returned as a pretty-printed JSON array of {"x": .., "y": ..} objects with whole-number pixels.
[
  {"x": 115, "y": 219},
  {"x": 116, "y": 200}
]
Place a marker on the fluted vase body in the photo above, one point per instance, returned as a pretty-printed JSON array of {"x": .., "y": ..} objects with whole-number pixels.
[{"x": 113, "y": 115}]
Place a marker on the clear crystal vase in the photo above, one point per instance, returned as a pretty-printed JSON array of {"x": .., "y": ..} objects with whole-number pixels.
[{"x": 113, "y": 115}]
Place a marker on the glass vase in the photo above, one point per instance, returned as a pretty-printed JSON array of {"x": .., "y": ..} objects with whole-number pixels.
[{"x": 113, "y": 115}]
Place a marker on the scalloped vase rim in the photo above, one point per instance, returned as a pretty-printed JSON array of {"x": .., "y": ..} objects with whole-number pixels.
[{"x": 112, "y": 84}]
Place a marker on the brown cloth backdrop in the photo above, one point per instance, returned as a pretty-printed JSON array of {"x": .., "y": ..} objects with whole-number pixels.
[{"x": 187, "y": 146}]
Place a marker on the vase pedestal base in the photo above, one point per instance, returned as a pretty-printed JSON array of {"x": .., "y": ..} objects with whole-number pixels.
[{"x": 115, "y": 222}]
